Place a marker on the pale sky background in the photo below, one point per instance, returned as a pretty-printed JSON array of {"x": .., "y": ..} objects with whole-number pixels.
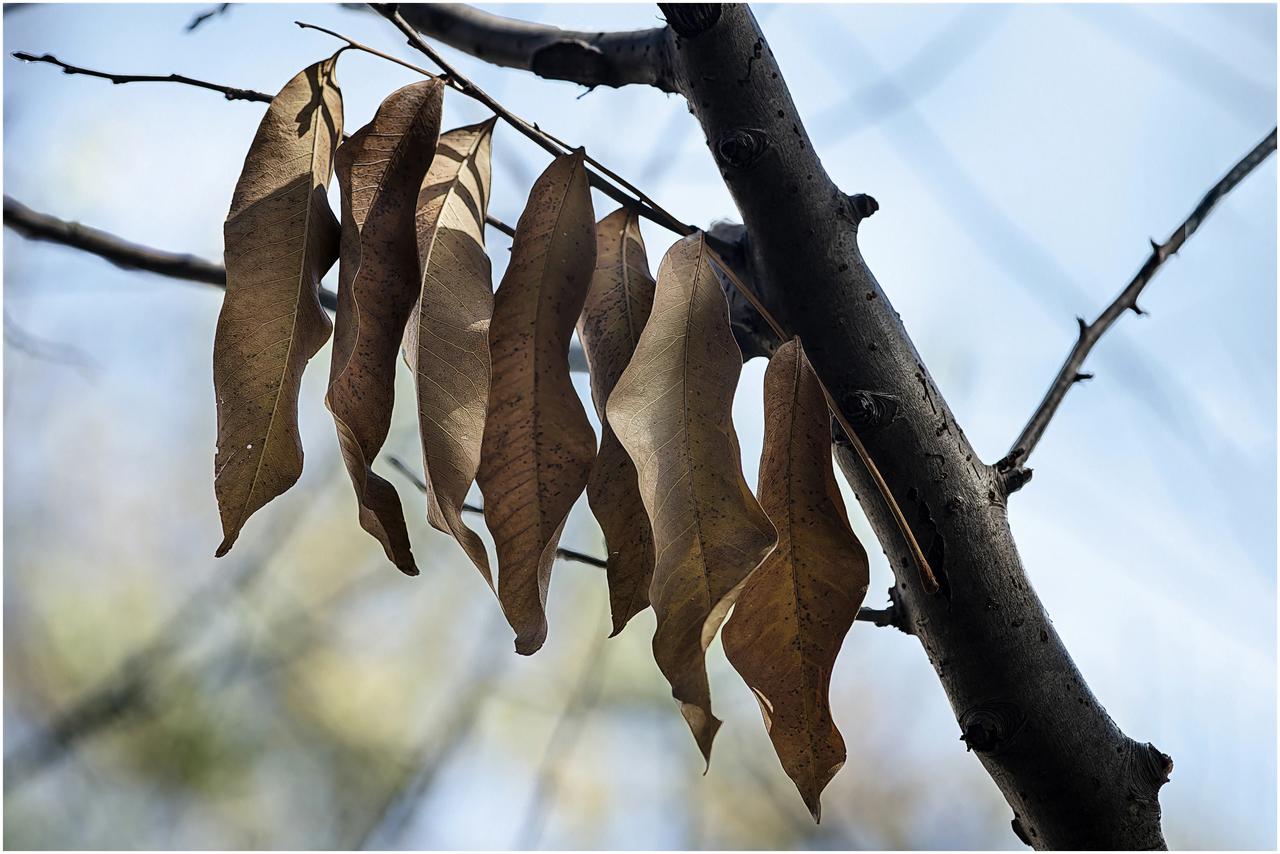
[{"x": 1022, "y": 156}]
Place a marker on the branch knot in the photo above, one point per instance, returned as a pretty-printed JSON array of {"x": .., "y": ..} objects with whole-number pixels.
[{"x": 741, "y": 147}]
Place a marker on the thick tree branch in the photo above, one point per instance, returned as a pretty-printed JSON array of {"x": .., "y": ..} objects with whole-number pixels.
[
  {"x": 592, "y": 59},
  {"x": 1073, "y": 779},
  {"x": 1020, "y": 702},
  {"x": 1072, "y": 371}
]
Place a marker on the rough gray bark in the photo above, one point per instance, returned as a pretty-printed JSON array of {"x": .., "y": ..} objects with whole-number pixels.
[{"x": 1073, "y": 779}]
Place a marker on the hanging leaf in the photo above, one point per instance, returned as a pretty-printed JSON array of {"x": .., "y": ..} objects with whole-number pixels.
[
  {"x": 447, "y": 337},
  {"x": 281, "y": 238},
  {"x": 380, "y": 170},
  {"x": 795, "y": 609},
  {"x": 538, "y": 444},
  {"x": 672, "y": 411},
  {"x": 617, "y": 308}
]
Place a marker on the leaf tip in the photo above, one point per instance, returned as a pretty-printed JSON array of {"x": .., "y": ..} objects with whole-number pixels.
[
  {"x": 814, "y": 803},
  {"x": 704, "y": 726},
  {"x": 528, "y": 646},
  {"x": 227, "y": 542}
]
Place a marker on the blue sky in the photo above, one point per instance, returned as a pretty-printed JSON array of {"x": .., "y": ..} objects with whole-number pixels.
[{"x": 1022, "y": 157}]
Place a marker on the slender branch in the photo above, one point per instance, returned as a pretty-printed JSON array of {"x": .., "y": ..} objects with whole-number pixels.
[
  {"x": 865, "y": 208},
  {"x": 564, "y": 737},
  {"x": 216, "y": 11},
  {"x": 130, "y": 256},
  {"x": 589, "y": 58},
  {"x": 438, "y": 742},
  {"x": 132, "y": 685},
  {"x": 53, "y": 352},
  {"x": 364, "y": 48},
  {"x": 494, "y": 222},
  {"x": 1071, "y": 371},
  {"x": 644, "y": 206},
  {"x": 881, "y": 617},
  {"x": 413, "y": 477},
  {"x": 231, "y": 93}
]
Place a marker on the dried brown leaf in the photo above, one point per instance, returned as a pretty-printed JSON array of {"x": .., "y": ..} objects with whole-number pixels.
[
  {"x": 796, "y": 608},
  {"x": 617, "y": 308},
  {"x": 538, "y": 444},
  {"x": 672, "y": 411},
  {"x": 281, "y": 238},
  {"x": 447, "y": 337},
  {"x": 380, "y": 170}
]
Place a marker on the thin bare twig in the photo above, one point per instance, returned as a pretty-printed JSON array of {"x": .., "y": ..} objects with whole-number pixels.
[
  {"x": 927, "y": 577},
  {"x": 127, "y": 255},
  {"x": 45, "y": 350},
  {"x": 208, "y": 14},
  {"x": 413, "y": 477},
  {"x": 231, "y": 93},
  {"x": 881, "y": 617},
  {"x": 1090, "y": 333},
  {"x": 130, "y": 256},
  {"x": 439, "y": 741},
  {"x": 564, "y": 736},
  {"x": 131, "y": 686}
]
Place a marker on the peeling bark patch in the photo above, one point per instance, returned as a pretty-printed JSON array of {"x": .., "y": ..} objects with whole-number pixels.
[
  {"x": 755, "y": 54},
  {"x": 924, "y": 385},
  {"x": 935, "y": 549}
]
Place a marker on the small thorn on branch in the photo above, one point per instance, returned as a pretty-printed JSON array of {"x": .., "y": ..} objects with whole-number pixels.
[{"x": 1081, "y": 377}]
